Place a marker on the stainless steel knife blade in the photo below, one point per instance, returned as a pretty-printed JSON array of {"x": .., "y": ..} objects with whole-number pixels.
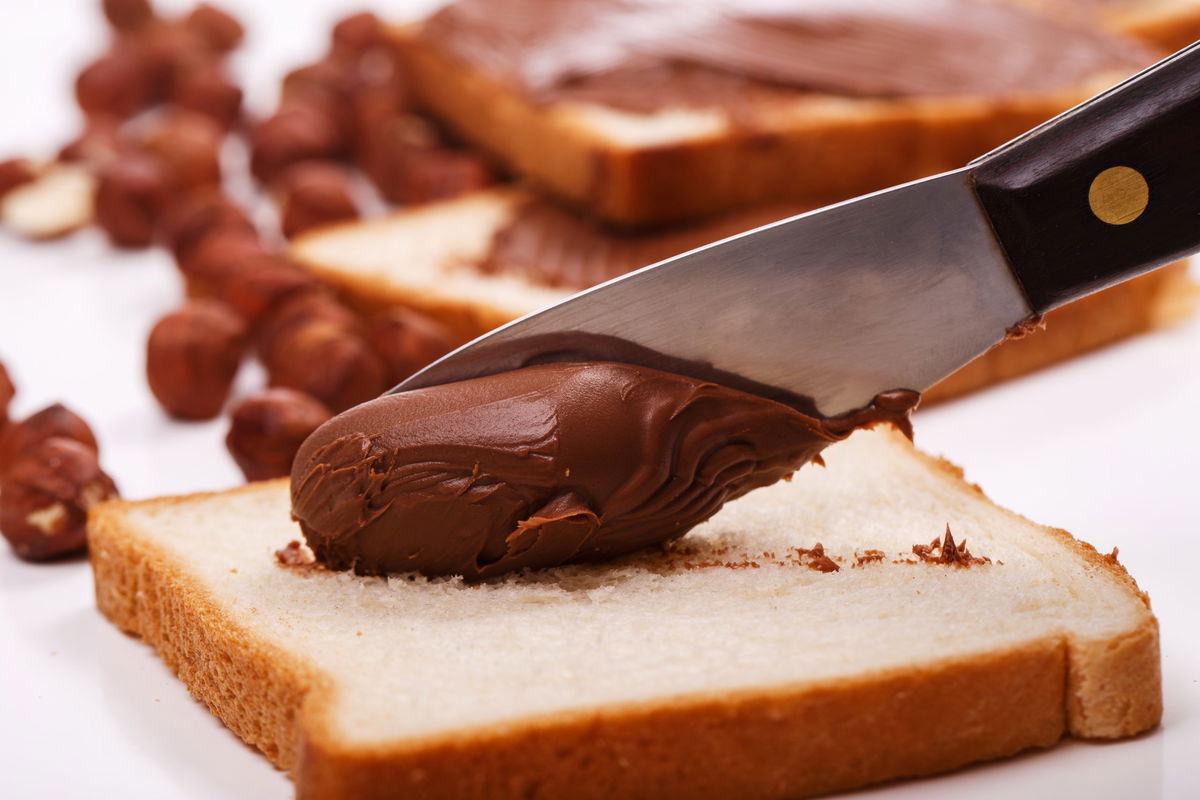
[{"x": 892, "y": 290}]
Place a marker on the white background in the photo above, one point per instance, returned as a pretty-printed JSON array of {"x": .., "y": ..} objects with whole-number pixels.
[{"x": 1105, "y": 446}]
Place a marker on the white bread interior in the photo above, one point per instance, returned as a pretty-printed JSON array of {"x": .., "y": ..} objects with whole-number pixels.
[{"x": 723, "y": 666}]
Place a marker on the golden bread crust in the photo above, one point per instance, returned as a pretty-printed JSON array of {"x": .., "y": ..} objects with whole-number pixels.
[{"x": 782, "y": 741}]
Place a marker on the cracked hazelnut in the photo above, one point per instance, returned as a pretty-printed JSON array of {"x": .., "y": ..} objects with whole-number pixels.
[
  {"x": 128, "y": 15},
  {"x": 130, "y": 197},
  {"x": 268, "y": 428},
  {"x": 217, "y": 255},
  {"x": 195, "y": 215},
  {"x": 219, "y": 29},
  {"x": 323, "y": 360},
  {"x": 207, "y": 89},
  {"x": 192, "y": 357},
  {"x": 298, "y": 132},
  {"x": 7, "y": 392},
  {"x": 407, "y": 341},
  {"x": 120, "y": 82},
  {"x": 45, "y": 497},
  {"x": 15, "y": 172},
  {"x": 189, "y": 146},
  {"x": 56, "y": 421},
  {"x": 261, "y": 283},
  {"x": 312, "y": 194}
]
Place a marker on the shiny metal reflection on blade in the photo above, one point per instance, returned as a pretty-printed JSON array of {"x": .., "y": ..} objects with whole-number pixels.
[{"x": 892, "y": 290}]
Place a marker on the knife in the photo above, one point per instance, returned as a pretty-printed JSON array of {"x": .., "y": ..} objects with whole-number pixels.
[{"x": 899, "y": 288}]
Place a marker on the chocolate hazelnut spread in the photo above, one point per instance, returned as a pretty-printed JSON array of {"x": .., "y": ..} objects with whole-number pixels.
[
  {"x": 642, "y": 55},
  {"x": 553, "y": 246},
  {"x": 546, "y": 465}
]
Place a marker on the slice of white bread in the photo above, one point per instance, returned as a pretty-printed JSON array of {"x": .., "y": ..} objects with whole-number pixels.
[
  {"x": 723, "y": 667},
  {"x": 1167, "y": 25},
  {"x": 645, "y": 169},
  {"x": 423, "y": 258}
]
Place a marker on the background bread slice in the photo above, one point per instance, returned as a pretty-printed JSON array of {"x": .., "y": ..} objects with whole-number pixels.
[
  {"x": 1167, "y": 25},
  {"x": 422, "y": 258},
  {"x": 723, "y": 667},
  {"x": 647, "y": 169}
]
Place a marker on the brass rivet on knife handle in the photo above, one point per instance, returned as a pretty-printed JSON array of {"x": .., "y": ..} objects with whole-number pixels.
[
  {"x": 1108, "y": 150},
  {"x": 1119, "y": 195}
]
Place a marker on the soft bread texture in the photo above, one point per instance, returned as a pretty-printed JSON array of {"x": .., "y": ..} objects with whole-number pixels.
[
  {"x": 423, "y": 258},
  {"x": 724, "y": 667}
]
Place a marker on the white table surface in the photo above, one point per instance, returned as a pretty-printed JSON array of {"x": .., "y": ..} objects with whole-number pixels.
[{"x": 1105, "y": 446}]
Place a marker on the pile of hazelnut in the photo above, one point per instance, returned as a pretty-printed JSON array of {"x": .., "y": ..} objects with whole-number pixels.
[{"x": 159, "y": 106}]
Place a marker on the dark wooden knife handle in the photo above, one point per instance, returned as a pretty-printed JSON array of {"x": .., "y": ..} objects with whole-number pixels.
[{"x": 1104, "y": 192}]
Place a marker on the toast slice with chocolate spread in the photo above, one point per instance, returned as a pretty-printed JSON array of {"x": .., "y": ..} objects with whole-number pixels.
[
  {"x": 1167, "y": 25},
  {"x": 742, "y": 108},
  {"x": 813, "y": 636},
  {"x": 484, "y": 259}
]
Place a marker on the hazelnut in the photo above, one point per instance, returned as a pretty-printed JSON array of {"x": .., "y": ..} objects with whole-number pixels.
[
  {"x": 56, "y": 421},
  {"x": 7, "y": 392},
  {"x": 357, "y": 33},
  {"x": 268, "y": 428},
  {"x": 299, "y": 132},
  {"x": 296, "y": 311},
  {"x": 378, "y": 102},
  {"x": 15, "y": 172},
  {"x": 323, "y": 83},
  {"x": 190, "y": 218},
  {"x": 45, "y": 497},
  {"x": 207, "y": 89},
  {"x": 192, "y": 357},
  {"x": 130, "y": 196},
  {"x": 439, "y": 175},
  {"x": 128, "y": 15},
  {"x": 407, "y": 340},
  {"x": 314, "y": 193},
  {"x": 216, "y": 256},
  {"x": 261, "y": 283},
  {"x": 120, "y": 83},
  {"x": 189, "y": 146},
  {"x": 327, "y": 86},
  {"x": 171, "y": 50},
  {"x": 98, "y": 145},
  {"x": 386, "y": 144},
  {"x": 320, "y": 358},
  {"x": 219, "y": 29}
]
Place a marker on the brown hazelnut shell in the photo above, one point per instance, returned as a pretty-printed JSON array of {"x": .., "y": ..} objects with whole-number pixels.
[
  {"x": 321, "y": 359},
  {"x": 56, "y": 421},
  {"x": 45, "y": 496},
  {"x": 192, "y": 357},
  {"x": 408, "y": 340},
  {"x": 312, "y": 194},
  {"x": 131, "y": 195},
  {"x": 268, "y": 428}
]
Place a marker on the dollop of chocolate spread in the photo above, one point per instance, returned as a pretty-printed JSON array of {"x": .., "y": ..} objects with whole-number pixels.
[
  {"x": 546, "y": 465},
  {"x": 641, "y": 55}
]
